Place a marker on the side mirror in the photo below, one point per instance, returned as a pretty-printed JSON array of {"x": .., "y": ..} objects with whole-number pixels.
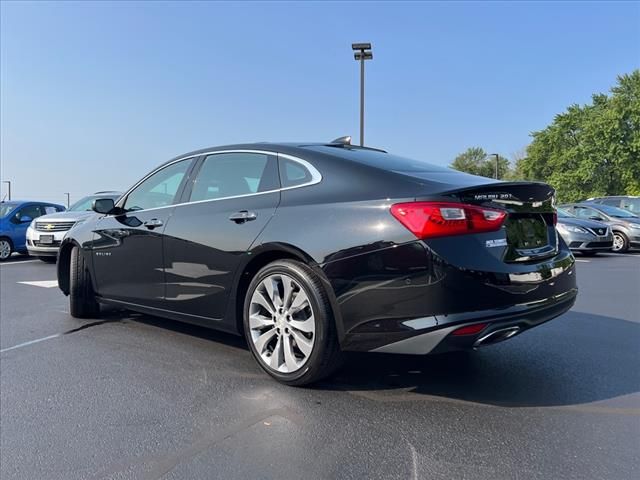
[
  {"x": 103, "y": 205},
  {"x": 597, "y": 218},
  {"x": 26, "y": 219}
]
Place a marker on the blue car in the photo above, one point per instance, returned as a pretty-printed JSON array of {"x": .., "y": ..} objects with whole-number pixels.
[{"x": 15, "y": 217}]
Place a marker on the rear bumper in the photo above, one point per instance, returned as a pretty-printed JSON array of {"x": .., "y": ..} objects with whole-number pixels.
[
  {"x": 439, "y": 339},
  {"x": 394, "y": 294}
]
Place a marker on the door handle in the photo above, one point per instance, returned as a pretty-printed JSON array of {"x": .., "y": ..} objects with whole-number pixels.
[
  {"x": 153, "y": 223},
  {"x": 243, "y": 216}
]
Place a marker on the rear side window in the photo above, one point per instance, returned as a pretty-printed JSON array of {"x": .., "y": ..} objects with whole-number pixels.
[
  {"x": 226, "y": 175},
  {"x": 293, "y": 173}
]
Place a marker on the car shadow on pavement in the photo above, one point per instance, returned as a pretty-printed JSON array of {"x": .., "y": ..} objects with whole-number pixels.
[{"x": 577, "y": 358}]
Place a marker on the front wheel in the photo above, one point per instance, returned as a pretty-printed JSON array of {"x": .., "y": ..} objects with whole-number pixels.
[
  {"x": 6, "y": 249},
  {"x": 289, "y": 324},
  {"x": 82, "y": 299},
  {"x": 620, "y": 242}
]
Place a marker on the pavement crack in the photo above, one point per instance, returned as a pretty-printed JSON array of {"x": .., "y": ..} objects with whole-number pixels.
[{"x": 89, "y": 325}]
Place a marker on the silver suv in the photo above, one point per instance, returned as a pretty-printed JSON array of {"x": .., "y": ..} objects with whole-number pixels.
[{"x": 46, "y": 232}]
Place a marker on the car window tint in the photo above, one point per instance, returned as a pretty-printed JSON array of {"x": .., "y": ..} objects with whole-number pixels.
[
  {"x": 159, "y": 189},
  {"x": 50, "y": 209},
  {"x": 32, "y": 211},
  {"x": 232, "y": 174},
  {"x": 292, "y": 173},
  {"x": 583, "y": 212}
]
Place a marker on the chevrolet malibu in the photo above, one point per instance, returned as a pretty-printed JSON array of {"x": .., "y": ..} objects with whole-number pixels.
[{"x": 311, "y": 250}]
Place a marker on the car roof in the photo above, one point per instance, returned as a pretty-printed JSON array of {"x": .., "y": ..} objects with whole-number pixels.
[{"x": 22, "y": 202}]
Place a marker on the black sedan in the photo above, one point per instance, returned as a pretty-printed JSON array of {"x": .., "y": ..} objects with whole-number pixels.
[{"x": 310, "y": 250}]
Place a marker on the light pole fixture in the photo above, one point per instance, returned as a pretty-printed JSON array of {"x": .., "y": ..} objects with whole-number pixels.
[
  {"x": 68, "y": 198},
  {"x": 362, "y": 52},
  {"x": 496, "y": 169},
  {"x": 8, "y": 182}
]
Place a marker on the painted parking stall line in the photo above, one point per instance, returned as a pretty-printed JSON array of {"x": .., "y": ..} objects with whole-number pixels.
[{"x": 42, "y": 283}]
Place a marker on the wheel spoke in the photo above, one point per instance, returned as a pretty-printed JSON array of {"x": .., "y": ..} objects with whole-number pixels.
[
  {"x": 289, "y": 357},
  {"x": 272, "y": 291},
  {"x": 305, "y": 345},
  {"x": 257, "y": 321},
  {"x": 263, "y": 339},
  {"x": 306, "y": 326},
  {"x": 260, "y": 299},
  {"x": 277, "y": 354},
  {"x": 288, "y": 291},
  {"x": 299, "y": 302}
]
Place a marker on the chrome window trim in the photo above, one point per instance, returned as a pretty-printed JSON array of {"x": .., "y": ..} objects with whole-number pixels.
[{"x": 316, "y": 177}]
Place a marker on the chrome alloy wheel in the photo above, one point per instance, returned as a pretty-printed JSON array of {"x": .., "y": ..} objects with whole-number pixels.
[
  {"x": 5, "y": 249},
  {"x": 618, "y": 242},
  {"x": 282, "y": 323}
]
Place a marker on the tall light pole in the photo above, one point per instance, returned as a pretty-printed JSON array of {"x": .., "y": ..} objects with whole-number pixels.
[
  {"x": 8, "y": 182},
  {"x": 68, "y": 197},
  {"x": 362, "y": 52},
  {"x": 496, "y": 169}
]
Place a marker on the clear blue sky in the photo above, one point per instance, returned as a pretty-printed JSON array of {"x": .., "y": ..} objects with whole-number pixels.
[{"x": 95, "y": 94}]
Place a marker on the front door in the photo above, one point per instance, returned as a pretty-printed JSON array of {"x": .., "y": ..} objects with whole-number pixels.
[
  {"x": 128, "y": 248},
  {"x": 233, "y": 197}
]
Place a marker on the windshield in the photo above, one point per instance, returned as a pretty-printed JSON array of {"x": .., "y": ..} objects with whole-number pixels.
[
  {"x": 84, "y": 204},
  {"x": 7, "y": 208},
  {"x": 631, "y": 204},
  {"x": 616, "y": 212},
  {"x": 564, "y": 214}
]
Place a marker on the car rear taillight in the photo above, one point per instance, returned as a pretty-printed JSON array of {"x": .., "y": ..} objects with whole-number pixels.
[{"x": 441, "y": 219}]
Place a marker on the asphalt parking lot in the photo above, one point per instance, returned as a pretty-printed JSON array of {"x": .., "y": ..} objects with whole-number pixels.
[{"x": 132, "y": 396}]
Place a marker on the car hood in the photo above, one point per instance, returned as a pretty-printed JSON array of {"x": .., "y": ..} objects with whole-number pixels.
[
  {"x": 581, "y": 222},
  {"x": 65, "y": 216}
]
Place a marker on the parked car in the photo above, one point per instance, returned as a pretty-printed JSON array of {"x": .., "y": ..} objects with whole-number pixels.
[
  {"x": 15, "y": 217},
  {"x": 314, "y": 249},
  {"x": 624, "y": 224},
  {"x": 45, "y": 234},
  {"x": 585, "y": 236},
  {"x": 626, "y": 202}
]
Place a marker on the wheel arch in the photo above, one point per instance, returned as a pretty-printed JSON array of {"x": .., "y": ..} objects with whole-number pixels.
[
  {"x": 262, "y": 256},
  {"x": 64, "y": 265}
]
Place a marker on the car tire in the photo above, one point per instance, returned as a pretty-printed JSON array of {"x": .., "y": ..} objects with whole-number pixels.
[
  {"x": 48, "y": 259},
  {"x": 620, "y": 242},
  {"x": 6, "y": 249},
  {"x": 82, "y": 299},
  {"x": 291, "y": 331}
]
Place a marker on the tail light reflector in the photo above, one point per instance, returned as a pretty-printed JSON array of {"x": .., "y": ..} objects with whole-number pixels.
[
  {"x": 441, "y": 219},
  {"x": 470, "y": 329}
]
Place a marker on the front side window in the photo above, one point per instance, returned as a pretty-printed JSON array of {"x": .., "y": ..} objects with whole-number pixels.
[
  {"x": 160, "y": 189},
  {"x": 30, "y": 211},
  {"x": 226, "y": 175}
]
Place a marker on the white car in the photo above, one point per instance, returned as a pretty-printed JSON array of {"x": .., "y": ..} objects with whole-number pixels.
[{"x": 46, "y": 232}]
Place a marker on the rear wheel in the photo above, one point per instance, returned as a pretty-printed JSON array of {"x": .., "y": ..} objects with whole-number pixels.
[
  {"x": 620, "y": 242},
  {"x": 82, "y": 299},
  {"x": 289, "y": 324},
  {"x": 6, "y": 249}
]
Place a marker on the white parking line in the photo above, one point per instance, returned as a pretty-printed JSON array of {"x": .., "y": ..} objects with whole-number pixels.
[
  {"x": 17, "y": 262},
  {"x": 42, "y": 283},
  {"x": 583, "y": 261},
  {"x": 20, "y": 345}
]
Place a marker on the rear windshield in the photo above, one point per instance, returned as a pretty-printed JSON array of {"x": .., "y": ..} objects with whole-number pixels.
[{"x": 382, "y": 160}]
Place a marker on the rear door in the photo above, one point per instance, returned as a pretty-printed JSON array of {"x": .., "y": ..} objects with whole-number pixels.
[
  {"x": 233, "y": 197},
  {"x": 128, "y": 248}
]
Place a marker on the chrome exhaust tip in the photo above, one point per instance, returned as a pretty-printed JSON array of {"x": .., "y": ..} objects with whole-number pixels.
[{"x": 496, "y": 336}]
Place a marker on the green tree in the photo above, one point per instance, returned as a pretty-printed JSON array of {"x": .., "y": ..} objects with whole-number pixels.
[
  {"x": 475, "y": 160},
  {"x": 591, "y": 150}
]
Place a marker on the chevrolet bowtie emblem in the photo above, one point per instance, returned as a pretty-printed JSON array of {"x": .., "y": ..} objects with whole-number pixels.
[{"x": 49, "y": 226}]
